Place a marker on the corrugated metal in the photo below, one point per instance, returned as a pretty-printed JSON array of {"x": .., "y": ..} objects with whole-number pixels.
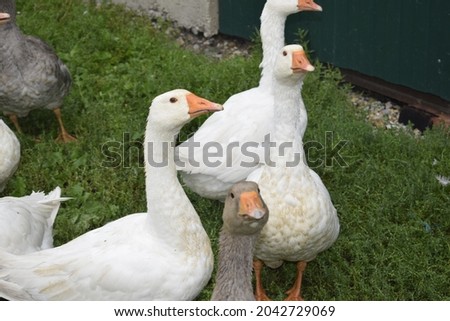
[{"x": 406, "y": 42}]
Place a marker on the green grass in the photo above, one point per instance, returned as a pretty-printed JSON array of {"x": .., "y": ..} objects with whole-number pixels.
[{"x": 395, "y": 225}]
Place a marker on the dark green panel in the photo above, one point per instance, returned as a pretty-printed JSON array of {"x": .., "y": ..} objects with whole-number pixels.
[
  {"x": 240, "y": 18},
  {"x": 404, "y": 41}
]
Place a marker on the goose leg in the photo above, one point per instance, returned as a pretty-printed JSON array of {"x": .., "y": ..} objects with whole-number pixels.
[
  {"x": 260, "y": 293},
  {"x": 15, "y": 121},
  {"x": 63, "y": 135},
  {"x": 294, "y": 294}
]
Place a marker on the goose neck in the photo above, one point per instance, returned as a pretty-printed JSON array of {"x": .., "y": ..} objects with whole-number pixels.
[
  {"x": 272, "y": 38},
  {"x": 171, "y": 216},
  {"x": 289, "y": 109},
  {"x": 235, "y": 265},
  {"x": 160, "y": 170}
]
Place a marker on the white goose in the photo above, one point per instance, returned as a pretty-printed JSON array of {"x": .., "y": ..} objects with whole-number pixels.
[
  {"x": 9, "y": 154},
  {"x": 247, "y": 116},
  {"x": 164, "y": 254},
  {"x": 26, "y": 223},
  {"x": 303, "y": 221}
]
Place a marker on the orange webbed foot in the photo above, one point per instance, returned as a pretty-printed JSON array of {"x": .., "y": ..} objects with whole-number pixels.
[
  {"x": 294, "y": 294},
  {"x": 65, "y": 138},
  {"x": 260, "y": 293}
]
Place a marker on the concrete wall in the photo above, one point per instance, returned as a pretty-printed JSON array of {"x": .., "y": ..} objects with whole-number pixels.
[{"x": 197, "y": 15}]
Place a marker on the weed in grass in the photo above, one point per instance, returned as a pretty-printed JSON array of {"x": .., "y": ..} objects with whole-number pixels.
[{"x": 394, "y": 242}]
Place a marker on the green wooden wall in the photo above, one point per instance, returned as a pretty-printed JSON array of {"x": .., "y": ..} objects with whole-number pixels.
[{"x": 406, "y": 42}]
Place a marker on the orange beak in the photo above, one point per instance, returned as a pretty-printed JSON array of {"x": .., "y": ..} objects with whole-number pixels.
[
  {"x": 308, "y": 5},
  {"x": 250, "y": 204},
  {"x": 4, "y": 16},
  {"x": 199, "y": 106},
  {"x": 300, "y": 63}
]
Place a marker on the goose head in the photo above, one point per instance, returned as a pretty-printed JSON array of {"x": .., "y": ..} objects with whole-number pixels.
[
  {"x": 7, "y": 11},
  {"x": 245, "y": 212},
  {"x": 293, "y": 6},
  {"x": 173, "y": 109},
  {"x": 4, "y": 18},
  {"x": 292, "y": 60},
  {"x": 308, "y": 5}
]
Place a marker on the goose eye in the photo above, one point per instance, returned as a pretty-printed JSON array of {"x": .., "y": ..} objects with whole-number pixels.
[
  {"x": 259, "y": 191},
  {"x": 173, "y": 100},
  {"x": 232, "y": 195},
  {"x": 285, "y": 53}
]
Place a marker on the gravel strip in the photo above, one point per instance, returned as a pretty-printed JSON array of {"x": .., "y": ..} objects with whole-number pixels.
[
  {"x": 218, "y": 46},
  {"x": 380, "y": 113}
]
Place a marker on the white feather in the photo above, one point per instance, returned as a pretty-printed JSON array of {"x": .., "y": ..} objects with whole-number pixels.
[
  {"x": 26, "y": 223},
  {"x": 444, "y": 181}
]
